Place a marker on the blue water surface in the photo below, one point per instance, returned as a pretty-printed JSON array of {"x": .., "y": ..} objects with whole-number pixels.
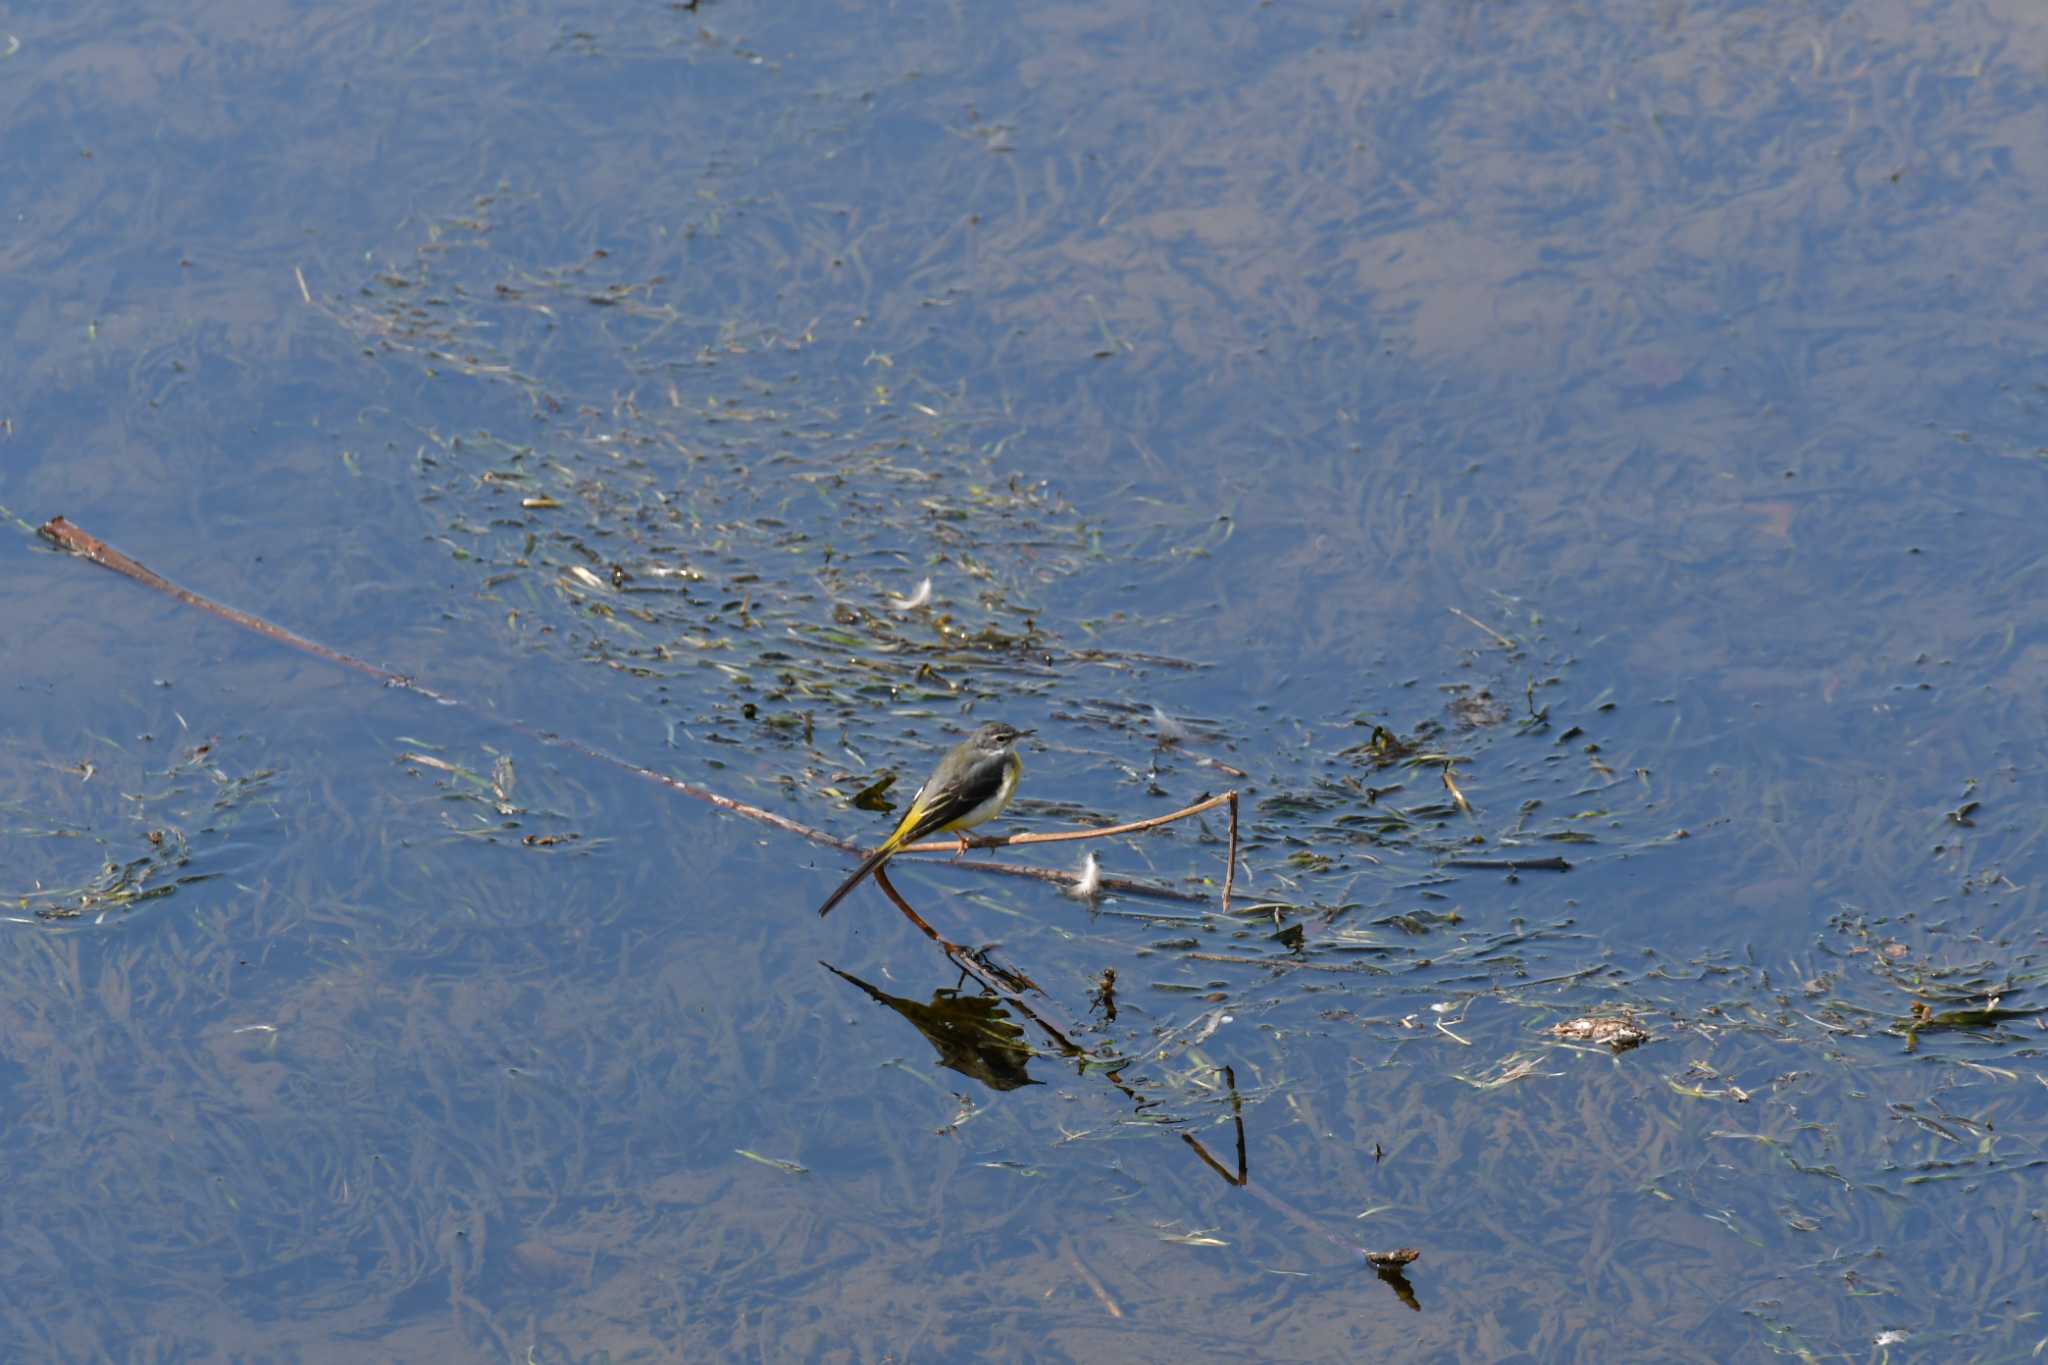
[{"x": 1494, "y": 440}]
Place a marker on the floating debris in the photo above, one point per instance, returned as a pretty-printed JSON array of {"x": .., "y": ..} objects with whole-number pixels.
[
  {"x": 1088, "y": 885},
  {"x": 1619, "y": 1034},
  {"x": 775, "y": 1163},
  {"x": 1166, "y": 730},
  {"x": 921, "y": 598},
  {"x": 1199, "y": 1238}
]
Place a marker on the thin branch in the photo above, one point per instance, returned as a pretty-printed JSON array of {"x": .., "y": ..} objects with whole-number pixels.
[
  {"x": 64, "y": 535},
  {"x": 78, "y": 541},
  {"x": 1069, "y": 835},
  {"x": 889, "y": 890},
  {"x": 1503, "y": 641},
  {"x": 1230, "y": 866},
  {"x": 1552, "y": 864},
  {"x": 1243, "y": 1176}
]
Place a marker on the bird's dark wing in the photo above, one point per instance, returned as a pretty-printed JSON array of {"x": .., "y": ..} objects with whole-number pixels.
[{"x": 955, "y": 799}]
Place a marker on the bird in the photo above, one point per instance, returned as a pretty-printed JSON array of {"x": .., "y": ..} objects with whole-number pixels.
[{"x": 971, "y": 785}]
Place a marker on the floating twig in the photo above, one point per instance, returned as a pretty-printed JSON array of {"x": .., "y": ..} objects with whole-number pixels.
[
  {"x": 1503, "y": 641},
  {"x": 1230, "y": 867},
  {"x": 1512, "y": 864}
]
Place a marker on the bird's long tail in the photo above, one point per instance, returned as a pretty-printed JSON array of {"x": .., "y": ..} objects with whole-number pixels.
[{"x": 873, "y": 861}]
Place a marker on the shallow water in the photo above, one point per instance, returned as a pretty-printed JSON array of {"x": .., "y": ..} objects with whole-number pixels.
[{"x": 1630, "y": 416}]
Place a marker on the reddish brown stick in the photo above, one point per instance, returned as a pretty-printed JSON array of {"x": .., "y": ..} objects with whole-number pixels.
[
  {"x": 78, "y": 541},
  {"x": 1068, "y": 835},
  {"x": 64, "y": 535}
]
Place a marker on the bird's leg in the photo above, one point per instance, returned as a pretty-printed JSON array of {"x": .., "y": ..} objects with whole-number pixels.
[{"x": 961, "y": 835}]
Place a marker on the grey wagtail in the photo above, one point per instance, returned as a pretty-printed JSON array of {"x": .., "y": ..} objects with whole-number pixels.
[{"x": 972, "y": 784}]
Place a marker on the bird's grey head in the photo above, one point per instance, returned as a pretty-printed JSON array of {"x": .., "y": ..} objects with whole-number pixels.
[{"x": 995, "y": 737}]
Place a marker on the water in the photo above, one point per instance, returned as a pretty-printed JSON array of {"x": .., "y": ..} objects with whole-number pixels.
[{"x": 1632, "y": 417}]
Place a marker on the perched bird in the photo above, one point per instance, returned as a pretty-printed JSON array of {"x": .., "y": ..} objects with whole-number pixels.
[{"x": 972, "y": 784}]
